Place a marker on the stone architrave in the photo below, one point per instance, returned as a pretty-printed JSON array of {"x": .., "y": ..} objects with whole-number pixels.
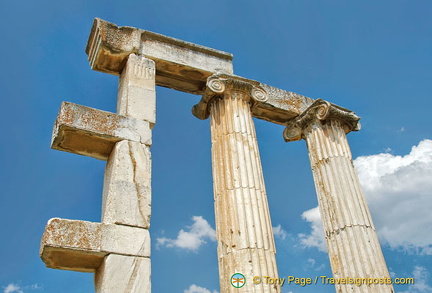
[
  {"x": 182, "y": 66},
  {"x": 352, "y": 242},
  {"x": 243, "y": 226},
  {"x": 118, "y": 249}
]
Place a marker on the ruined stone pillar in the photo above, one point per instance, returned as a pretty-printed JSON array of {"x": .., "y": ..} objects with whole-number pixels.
[
  {"x": 243, "y": 226},
  {"x": 118, "y": 249},
  {"x": 127, "y": 184},
  {"x": 352, "y": 242}
]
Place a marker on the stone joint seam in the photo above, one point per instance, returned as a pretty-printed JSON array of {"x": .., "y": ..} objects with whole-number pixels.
[
  {"x": 338, "y": 230},
  {"x": 247, "y": 248}
]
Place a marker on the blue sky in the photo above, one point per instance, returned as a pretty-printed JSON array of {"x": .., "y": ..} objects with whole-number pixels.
[{"x": 373, "y": 57}]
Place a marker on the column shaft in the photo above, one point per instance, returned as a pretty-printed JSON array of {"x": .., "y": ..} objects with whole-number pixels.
[
  {"x": 353, "y": 246},
  {"x": 243, "y": 226},
  {"x": 127, "y": 184}
]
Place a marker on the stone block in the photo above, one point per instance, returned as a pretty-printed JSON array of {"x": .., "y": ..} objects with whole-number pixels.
[
  {"x": 127, "y": 186},
  {"x": 81, "y": 245},
  {"x": 123, "y": 274},
  {"x": 91, "y": 132},
  {"x": 71, "y": 245},
  {"x": 180, "y": 65},
  {"x": 137, "y": 93}
]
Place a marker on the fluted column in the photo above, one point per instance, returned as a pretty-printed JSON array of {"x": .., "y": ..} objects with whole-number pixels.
[
  {"x": 352, "y": 242},
  {"x": 243, "y": 226}
]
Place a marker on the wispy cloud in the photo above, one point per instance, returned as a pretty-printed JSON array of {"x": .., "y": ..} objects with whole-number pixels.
[
  {"x": 194, "y": 236},
  {"x": 311, "y": 264},
  {"x": 399, "y": 192},
  {"x": 13, "y": 288},
  {"x": 197, "y": 289},
  {"x": 421, "y": 277},
  {"x": 279, "y": 232}
]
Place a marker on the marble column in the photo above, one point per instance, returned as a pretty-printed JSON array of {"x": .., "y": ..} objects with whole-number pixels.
[
  {"x": 127, "y": 184},
  {"x": 352, "y": 242},
  {"x": 243, "y": 226},
  {"x": 118, "y": 249}
]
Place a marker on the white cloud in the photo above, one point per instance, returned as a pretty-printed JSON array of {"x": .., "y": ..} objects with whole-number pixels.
[
  {"x": 12, "y": 288},
  {"x": 421, "y": 276},
  {"x": 311, "y": 264},
  {"x": 399, "y": 193},
  {"x": 279, "y": 232},
  {"x": 193, "y": 238},
  {"x": 316, "y": 237},
  {"x": 197, "y": 289}
]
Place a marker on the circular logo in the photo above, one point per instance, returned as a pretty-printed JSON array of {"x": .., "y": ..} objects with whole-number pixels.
[{"x": 238, "y": 280}]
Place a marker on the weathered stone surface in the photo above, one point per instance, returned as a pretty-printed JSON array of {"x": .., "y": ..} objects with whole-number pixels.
[
  {"x": 243, "y": 226},
  {"x": 91, "y": 132},
  {"x": 137, "y": 94},
  {"x": 81, "y": 245},
  {"x": 353, "y": 246},
  {"x": 123, "y": 274},
  {"x": 321, "y": 110},
  {"x": 125, "y": 240},
  {"x": 127, "y": 186},
  {"x": 249, "y": 262},
  {"x": 278, "y": 106},
  {"x": 180, "y": 65}
]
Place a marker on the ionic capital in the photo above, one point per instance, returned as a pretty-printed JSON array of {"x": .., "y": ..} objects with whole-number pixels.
[
  {"x": 220, "y": 86},
  {"x": 320, "y": 112}
]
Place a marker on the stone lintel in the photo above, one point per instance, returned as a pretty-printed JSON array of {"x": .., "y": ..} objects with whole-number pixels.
[
  {"x": 91, "y": 132},
  {"x": 81, "y": 245},
  {"x": 278, "y": 106},
  {"x": 180, "y": 65}
]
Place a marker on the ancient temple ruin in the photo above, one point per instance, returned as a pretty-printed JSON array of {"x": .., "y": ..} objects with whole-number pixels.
[{"x": 117, "y": 250}]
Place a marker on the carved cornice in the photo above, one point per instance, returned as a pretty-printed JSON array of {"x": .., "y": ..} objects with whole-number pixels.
[
  {"x": 321, "y": 111},
  {"x": 220, "y": 86}
]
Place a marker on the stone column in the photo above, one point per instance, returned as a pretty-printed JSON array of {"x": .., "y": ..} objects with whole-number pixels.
[
  {"x": 352, "y": 242},
  {"x": 243, "y": 226},
  {"x": 127, "y": 184},
  {"x": 118, "y": 249}
]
